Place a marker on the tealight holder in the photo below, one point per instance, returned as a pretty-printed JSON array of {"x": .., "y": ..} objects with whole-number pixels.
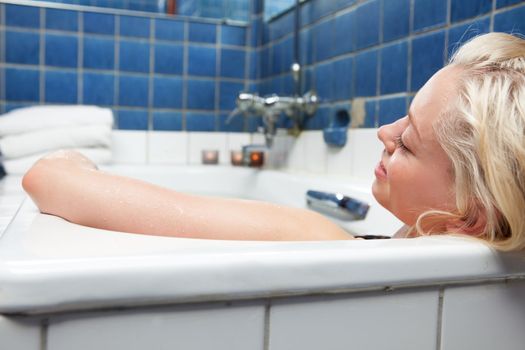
[
  {"x": 236, "y": 157},
  {"x": 256, "y": 159},
  {"x": 210, "y": 156}
]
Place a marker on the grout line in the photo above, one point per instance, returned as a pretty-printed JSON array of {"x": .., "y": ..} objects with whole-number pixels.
[
  {"x": 80, "y": 53},
  {"x": 266, "y": 339},
  {"x": 439, "y": 331},
  {"x": 493, "y": 10},
  {"x": 185, "y": 66},
  {"x": 116, "y": 70},
  {"x": 41, "y": 63},
  {"x": 218, "y": 75},
  {"x": 44, "y": 330}
]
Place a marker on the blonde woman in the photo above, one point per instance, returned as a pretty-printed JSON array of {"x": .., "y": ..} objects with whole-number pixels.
[{"x": 455, "y": 164}]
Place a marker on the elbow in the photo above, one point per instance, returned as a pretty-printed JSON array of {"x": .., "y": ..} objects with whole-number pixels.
[{"x": 35, "y": 183}]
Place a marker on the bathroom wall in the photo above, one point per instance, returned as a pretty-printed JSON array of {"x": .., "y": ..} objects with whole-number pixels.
[
  {"x": 374, "y": 55},
  {"x": 155, "y": 72}
]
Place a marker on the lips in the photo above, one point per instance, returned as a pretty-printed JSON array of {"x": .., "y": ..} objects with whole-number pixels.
[{"x": 380, "y": 171}]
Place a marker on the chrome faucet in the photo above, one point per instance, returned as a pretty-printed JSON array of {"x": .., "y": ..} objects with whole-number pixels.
[
  {"x": 270, "y": 107},
  {"x": 337, "y": 205}
]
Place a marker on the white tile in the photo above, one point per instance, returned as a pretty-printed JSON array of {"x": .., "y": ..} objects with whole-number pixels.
[
  {"x": 296, "y": 155},
  {"x": 199, "y": 141},
  {"x": 235, "y": 141},
  {"x": 197, "y": 328},
  {"x": 366, "y": 149},
  {"x": 129, "y": 146},
  {"x": 314, "y": 152},
  {"x": 381, "y": 321},
  {"x": 278, "y": 155},
  {"x": 258, "y": 139},
  {"x": 339, "y": 159},
  {"x": 19, "y": 334},
  {"x": 167, "y": 147},
  {"x": 484, "y": 317}
]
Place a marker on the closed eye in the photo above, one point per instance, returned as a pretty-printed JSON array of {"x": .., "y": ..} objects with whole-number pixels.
[{"x": 399, "y": 144}]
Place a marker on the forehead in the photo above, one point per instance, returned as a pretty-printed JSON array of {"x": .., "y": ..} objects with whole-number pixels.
[{"x": 433, "y": 99}]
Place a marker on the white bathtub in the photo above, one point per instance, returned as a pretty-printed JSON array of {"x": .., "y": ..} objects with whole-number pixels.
[{"x": 65, "y": 286}]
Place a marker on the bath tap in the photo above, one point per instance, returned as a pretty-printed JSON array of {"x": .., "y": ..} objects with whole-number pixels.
[
  {"x": 270, "y": 107},
  {"x": 337, "y": 205}
]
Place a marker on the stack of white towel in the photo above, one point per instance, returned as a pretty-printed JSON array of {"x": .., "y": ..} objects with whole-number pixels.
[{"x": 27, "y": 134}]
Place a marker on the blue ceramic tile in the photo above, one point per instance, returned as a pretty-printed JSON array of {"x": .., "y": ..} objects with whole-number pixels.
[
  {"x": 134, "y": 26},
  {"x": 265, "y": 62},
  {"x": 61, "y": 87},
  {"x": 228, "y": 94},
  {"x": 22, "y": 16},
  {"x": 99, "y": 23},
  {"x": 322, "y": 8},
  {"x": 201, "y": 94},
  {"x": 288, "y": 54},
  {"x": 61, "y": 50},
  {"x": 254, "y": 123},
  {"x": 253, "y": 72},
  {"x": 341, "y": 4},
  {"x": 167, "y": 29},
  {"x": 343, "y": 78},
  {"x": 463, "y": 9},
  {"x": 202, "y": 61},
  {"x": 370, "y": 114},
  {"x": 134, "y": 56},
  {"x": 258, "y": 6},
  {"x": 256, "y": 32},
  {"x": 306, "y": 13},
  {"x": 277, "y": 51},
  {"x": 324, "y": 40},
  {"x": 324, "y": 81},
  {"x": 276, "y": 85},
  {"x": 167, "y": 121},
  {"x": 281, "y": 26},
  {"x": 98, "y": 89},
  {"x": 391, "y": 110},
  {"x": 99, "y": 53},
  {"x": 22, "y": 47},
  {"x": 367, "y": 24},
  {"x": 133, "y": 91},
  {"x": 510, "y": 21},
  {"x": 427, "y": 58},
  {"x": 167, "y": 92},
  {"x": 169, "y": 58},
  {"x": 236, "y": 124},
  {"x": 344, "y": 33},
  {"x": 288, "y": 85},
  {"x": 396, "y": 19},
  {"x": 307, "y": 80},
  {"x": 22, "y": 84},
  {"x": 305, "y": 47},
  {"x": 394, "y": 62},
  {"x": 196, "y": 121},
  {"x": 365, "y": 73},
  {"x": 12, "y": 106},
  {"x": 319, "y": 120},
  {"x": 233, "y": 35},
  {"x": 460, "y": 34},
  {"x": 429, "y": 13},
  {"x": 203, "y": 32},
  {"x": 233, "y": 63},
  {"x": 132, "y": 119},
  {"x": 503, "y": 3},
  {"x": 62, "y": 20}
]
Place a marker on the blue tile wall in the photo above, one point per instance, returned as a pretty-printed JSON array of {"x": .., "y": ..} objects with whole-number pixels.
[
  {"x": 61, "y": 87},
  {"x": 99, "y": 52},
  {"x": 171, "y": 30},
  {"x": 202, "y": 61},
  {"x": 24, "y": 48},
  {"x": 22, "y": 16},
  {"x": 429, "y": 13},
  {"x": 179, "y": 73},
  {"x": 98, "y": 88},
  {"x": 167, "y": 121},
  {"x": 61, "y": 50},
  {"x": 62, "y": 20}
]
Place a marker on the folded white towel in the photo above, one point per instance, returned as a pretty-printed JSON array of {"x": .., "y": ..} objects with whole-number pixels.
[
  {"x": 20, "y": 166},
  {"x": 39, "y": 141},
  {"x": 49, "y": 116}
]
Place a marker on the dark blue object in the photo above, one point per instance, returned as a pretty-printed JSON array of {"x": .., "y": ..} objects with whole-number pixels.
[{"x": 335, "y": 134}]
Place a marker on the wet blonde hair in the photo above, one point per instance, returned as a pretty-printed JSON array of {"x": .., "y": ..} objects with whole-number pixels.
[{"x": 483, "y": 134}]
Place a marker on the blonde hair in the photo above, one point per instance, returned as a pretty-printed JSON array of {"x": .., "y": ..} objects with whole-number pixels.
[{"x": 483, "y": 134}]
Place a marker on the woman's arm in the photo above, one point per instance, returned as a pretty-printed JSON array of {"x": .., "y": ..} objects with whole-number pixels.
[{"x": 68, "y": 185}]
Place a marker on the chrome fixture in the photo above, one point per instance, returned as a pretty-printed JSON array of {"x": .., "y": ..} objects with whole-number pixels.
[
  {"x": 337, "y": 205},
  {"x": 270, "y": 107}
]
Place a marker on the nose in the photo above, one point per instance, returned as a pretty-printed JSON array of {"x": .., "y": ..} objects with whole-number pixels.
[{"x": 386, "y": 135}]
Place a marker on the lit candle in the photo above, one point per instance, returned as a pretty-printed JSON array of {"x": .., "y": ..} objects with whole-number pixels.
[
  {"x": 210, "y": 156},
  {"x": 256, "y": 158},
  {"x": 236, "y": 157}
]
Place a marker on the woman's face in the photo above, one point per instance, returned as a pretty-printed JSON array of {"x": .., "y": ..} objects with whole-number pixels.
[{"x": 414, "y": 174}]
